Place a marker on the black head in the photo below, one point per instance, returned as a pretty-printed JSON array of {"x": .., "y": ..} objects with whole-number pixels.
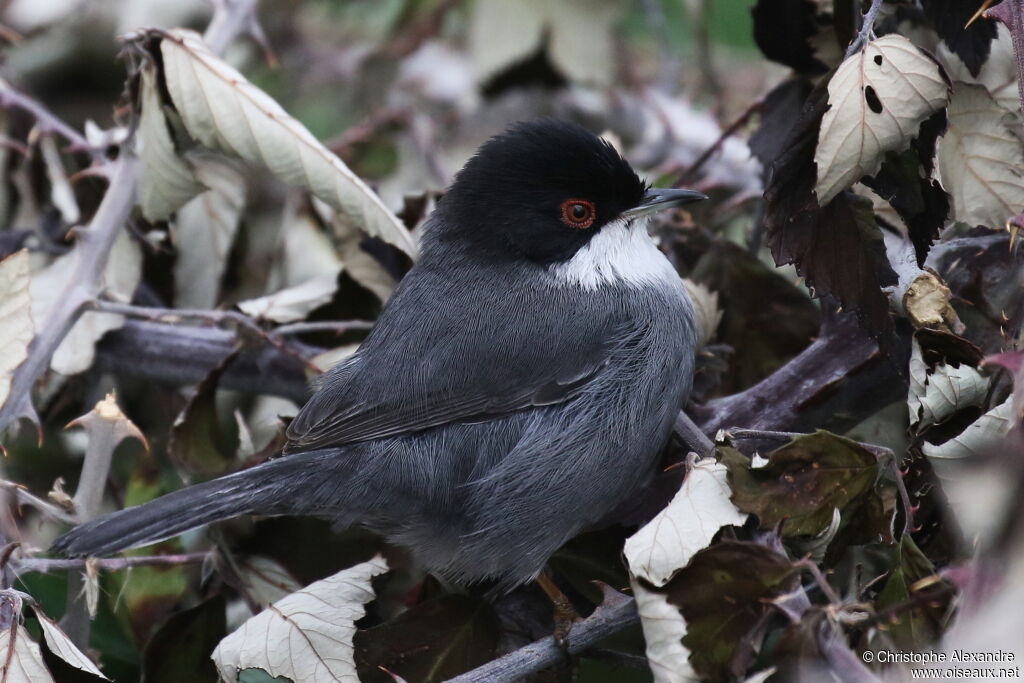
[{"x": 541, "y": 191}]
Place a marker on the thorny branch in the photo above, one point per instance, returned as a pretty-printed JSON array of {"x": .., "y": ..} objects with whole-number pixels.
[{"x": 867, "y": 29}]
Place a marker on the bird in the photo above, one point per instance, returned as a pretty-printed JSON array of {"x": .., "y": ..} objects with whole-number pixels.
[{"x": 519, "y": 385}]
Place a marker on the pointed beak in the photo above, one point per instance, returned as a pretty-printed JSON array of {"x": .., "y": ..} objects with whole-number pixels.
[{"x": 658, "y": 199}]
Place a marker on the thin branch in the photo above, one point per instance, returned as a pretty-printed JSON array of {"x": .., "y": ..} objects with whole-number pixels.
[
  {"x": 90, "y": 259},
  {"x": 338, "y": 327},
  {"x": 867, "y": 29},
  {"x": 688, "y": 174},
  {"x": 614, "y": 614},
  {"x": 213, "y": 317},
  {"x": 820, "y": 579},
  {"x": 47, "y": 121},
  {"x": 231, "y": 18},
  {"x": 46, "y": 565},
  {"x": 23, "y": 496}
]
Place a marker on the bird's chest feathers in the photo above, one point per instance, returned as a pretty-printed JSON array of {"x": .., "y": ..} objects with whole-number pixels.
[{"x": 620, "y": 254}]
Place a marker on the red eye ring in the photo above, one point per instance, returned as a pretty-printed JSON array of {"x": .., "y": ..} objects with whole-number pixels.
[{"x": 578, "y": 214}]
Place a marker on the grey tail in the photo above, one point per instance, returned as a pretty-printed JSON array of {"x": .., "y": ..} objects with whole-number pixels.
[{"x": 267, "y": 489}]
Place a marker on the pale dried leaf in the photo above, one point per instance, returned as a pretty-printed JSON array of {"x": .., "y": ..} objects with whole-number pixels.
[
  {"x": 265, "y": 580},
  {"x": 328, "y": 359},
  {"x": 705, "y": 305},
  {"x": 501, "y": 33},
  {"x": 124, "y": 268},
  {"x": 61, "y": 194},
  {"x": 204, "y": 231},
  {"x": 309, "y": 251},
  {"x": 61, "y": 645},
  {"x": 981, "y": 437},
  {"x": 293, "y": 303},
  {"x": 686, "y": 526},
  {"x": 664, "y": 628},
  {"x": 167, "y": 181},
  {"x": 980, "y": 162},
  {"x": 889, "y": 73},
  {"x": 22, "y": 660},
  {"x": 222, "y": 110},
  {"x": 306, "y": 636},
  {"x": 359, "y": 265},
  {"x": 16, "y": 328},
  {"x": 580, "y": 36},
  {"x": 936, "y": 395},
  {"x": 998, "y": 74}
]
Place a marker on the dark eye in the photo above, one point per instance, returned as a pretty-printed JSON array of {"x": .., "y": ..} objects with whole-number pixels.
[{"x": 578, "y": 213}]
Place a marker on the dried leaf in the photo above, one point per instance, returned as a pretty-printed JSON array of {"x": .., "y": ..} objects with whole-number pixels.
[
  {"x": 293, "y": 303},
  {"x": 166, "y": 181},
  {"x": 61, "y": 645},
  {"x": 61, "y": 194},
  {"x": 22, "y": 660},
  {"x": 204, "y": 231},
  {"x": 123, "y": 271},
  {"x": 664, "y": 629},
  {"x": 265, "y": 580},
  {"x": 16, "y": 328},
  {"x": 950, "y": 20},
  {"x": 980, "y": 437},
  {"x": 306, "y": 636},
  {"x": 580, "y": 36},
  {"x": 937, "y": 394},
  {"x": 705, "y": 304},
  {"x": 687, "y": 524},
  {"x": 980, "y": 161},
  {"x": 878, "y": 98},
  {"x": 222, "y": 110}
]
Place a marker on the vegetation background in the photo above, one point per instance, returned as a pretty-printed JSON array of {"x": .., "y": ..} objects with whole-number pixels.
[{"x": 170, "y": 284}]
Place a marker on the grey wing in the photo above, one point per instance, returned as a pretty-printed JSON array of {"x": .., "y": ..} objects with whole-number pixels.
[{"x": 445, "y": 351}]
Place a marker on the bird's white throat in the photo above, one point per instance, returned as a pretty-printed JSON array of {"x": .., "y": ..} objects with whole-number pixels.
[{"x": 621, "y": 253}]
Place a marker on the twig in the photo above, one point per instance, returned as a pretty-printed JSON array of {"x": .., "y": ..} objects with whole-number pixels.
[
  {"x": 820, "y": 579},
  {"x": 230, "y": 19},
  {"x": 338, "y": 327},
  {"x": 91, "y": 254},
  {"x": 178, "y": 355},
  {"x": 10, "y": 97},
  {"x": 615, "y": 613},
  {"x": 744, "y": 434},
  {"x": 668, "y": 61},
  {"x": 690, "y": 173},
  {"x": 23, "y": 496},
  {"x": 173, "y": 315},
  {"x": 46, "y": 565},
  {"x": 692, "y": 436},
  {"x": 867, "y": 28}
]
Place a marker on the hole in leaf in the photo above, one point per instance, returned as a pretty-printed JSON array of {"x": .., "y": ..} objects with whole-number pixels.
[
  {"x": 874, "y": 104},
  {"x": 878, "y": 60}
]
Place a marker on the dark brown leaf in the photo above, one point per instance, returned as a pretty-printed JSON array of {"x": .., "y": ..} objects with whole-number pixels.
[
  {"x": 723, "y": 595},
  {"x": 837, "y": 248},
  {"x": 970, "y": 43}
]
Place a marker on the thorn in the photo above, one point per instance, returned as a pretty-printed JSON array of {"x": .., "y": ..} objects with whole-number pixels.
[{"x": 984, "y": 6}]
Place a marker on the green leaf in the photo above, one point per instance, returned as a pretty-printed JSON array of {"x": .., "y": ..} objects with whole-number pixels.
[{"x": 201, "y": 442}]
